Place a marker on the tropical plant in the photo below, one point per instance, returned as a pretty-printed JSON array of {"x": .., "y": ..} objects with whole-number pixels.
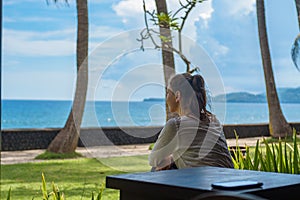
[
  {"x": 100, "y": 192},
  {"x": 281, "y": 156},
  {"x": 66, "y": 140},
  {"x": 55, "y": 194},
  {"x": 278, "y": 125}
]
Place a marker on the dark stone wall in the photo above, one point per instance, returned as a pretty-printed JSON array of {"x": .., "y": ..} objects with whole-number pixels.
[
  {"x": 26, "y": 139},
  {"x": 247, "y": 130}
]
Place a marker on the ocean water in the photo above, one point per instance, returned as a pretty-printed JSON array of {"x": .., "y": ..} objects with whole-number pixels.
[{"x": 53, "y": 114}]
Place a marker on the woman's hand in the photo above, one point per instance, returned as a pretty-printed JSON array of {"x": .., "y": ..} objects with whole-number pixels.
[
  {"x": 163, "y": 168},
  {"x": 165, "y": 164}
]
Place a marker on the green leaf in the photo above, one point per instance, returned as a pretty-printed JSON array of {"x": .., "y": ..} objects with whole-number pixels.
[
  {"x": 256, "y": 156},
  {"x": 269, "y": 156},
  {"x": 54, "y": 190},
  {"x": 286, "y": 158},
  {"x": 291, "y": 162},
  {"x": 44, "y": 188},
  {"x": 262, "y": 161},
  {"x": 296, "y": 154},
  {"x": 100, "y": 194},
  {"x": 249, "y": 164},
  {"x": 241, "y": 158},
  {"x": 9, "y": 194},
  {"x": 280, "y": 158},
  {"x": 274, "y": 158},
  {"x": 235, "y": 164}
]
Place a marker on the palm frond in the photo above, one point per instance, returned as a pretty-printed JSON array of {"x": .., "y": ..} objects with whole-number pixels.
[{"x": 295, "y": 52}]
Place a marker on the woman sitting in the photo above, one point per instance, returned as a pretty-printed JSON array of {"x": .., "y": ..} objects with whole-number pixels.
[{"x": 194, "y": 138}]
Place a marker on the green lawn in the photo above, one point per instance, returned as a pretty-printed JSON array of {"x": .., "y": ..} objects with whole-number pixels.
[{"x": 76, "y": 178}]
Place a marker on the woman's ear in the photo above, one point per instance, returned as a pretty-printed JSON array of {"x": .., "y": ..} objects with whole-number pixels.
[{"x": 177, "y": 96}]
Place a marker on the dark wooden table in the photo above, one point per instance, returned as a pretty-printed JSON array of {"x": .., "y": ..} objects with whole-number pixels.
[{"x": 189, "y": 183}]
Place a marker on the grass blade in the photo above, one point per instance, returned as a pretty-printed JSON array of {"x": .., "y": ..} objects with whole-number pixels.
[
  {"x": 262, "y": 162},
  {"x": 100, "y": 194},
  {"x": 44, "y": 188},
  {"x": 274, "y": 158},
  {"x": 296, "y": 154},
  {"x": 248, "y": 161},
  {"x": 256, "y": 156},
  {"x": 9, "y": 194},
  {"x": 287, "y": 169},
  {"x": 280, "y": 157},
  {"x": 268, "y": 156}
]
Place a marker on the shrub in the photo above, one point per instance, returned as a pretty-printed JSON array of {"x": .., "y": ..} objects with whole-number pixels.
[
  {"x": 280, "y": 156},
  {"x": 55, "y": 193}
]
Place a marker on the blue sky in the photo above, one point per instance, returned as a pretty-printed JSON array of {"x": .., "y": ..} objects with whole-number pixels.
[{"x": 39, "y": 41}]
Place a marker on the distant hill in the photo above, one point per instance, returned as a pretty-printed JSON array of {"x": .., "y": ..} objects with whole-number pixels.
[
  {"x": 289, "y": 95},
  {"x": 154, "y": 99},
  {"x": 286, "y": 95},
  {"x": 241, "y": 97}
]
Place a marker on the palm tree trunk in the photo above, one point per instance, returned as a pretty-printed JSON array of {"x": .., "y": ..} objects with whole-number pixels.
[
  {"x": 297, "y": 2},
  {"x": 167, "y": 53},
  {"x": 277, "y": 123},
  {"x": 67, "y": 139}
]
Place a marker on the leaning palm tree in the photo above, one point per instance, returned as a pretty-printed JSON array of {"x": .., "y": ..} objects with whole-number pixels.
[
  {"x": 66, "y": 140},
  {"x": 296, "y": 46},
  {"x": 167, "y": 55},
  {"x": 278, "y": 125},
  {"x": 297, "y": 2},
  {"x": 166, "y": 22}
]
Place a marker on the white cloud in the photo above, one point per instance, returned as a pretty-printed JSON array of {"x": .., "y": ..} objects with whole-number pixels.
[
  {"x": 50, "y": 2},
  {"x": 212, "y": 45},
  {"x": 285, "y": 73},
  {"x": 238, "y": 7},
  {"x": 98, "y": 34},
  {"x": 137, "y": 82},
  {"x": 28, "y": 19},
  {"x": 131, "y": 11},
  {"x": 131, "y": 8},
  {"x": 66, "y": 33},
  {"x": 11, "y": 2},
  {"x": 99, "y": 1},
  {"x": 202, "y": 12},
  {"x": 30, "y": 43},
  {"x": 38, "y": 19},
  {"x": 8, "y": 19},
  {"x": 103, "y": 32},
  {"x": 38, "y": 85},
  {"x": 51, "y": 43}
]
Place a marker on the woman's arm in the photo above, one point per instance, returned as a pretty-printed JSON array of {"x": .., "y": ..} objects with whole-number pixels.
[{"x": 165, "y": 145}]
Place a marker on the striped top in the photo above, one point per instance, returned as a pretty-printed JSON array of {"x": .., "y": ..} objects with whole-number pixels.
[{"x": 191, "y": 143}]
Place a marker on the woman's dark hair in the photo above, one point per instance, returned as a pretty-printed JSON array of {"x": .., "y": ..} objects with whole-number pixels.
[{"x": 193, "y": 93}]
